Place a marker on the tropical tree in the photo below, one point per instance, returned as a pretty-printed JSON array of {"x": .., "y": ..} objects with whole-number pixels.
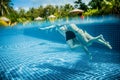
[
  {"x": 30, "y": 13},
  {"x": 77, "y": 3},
  {"x": 5, "y": 7},
  {"x": 57, "y": 12},
  {"x": 49, "y": 9},
  {"x": 67, "y": 9},
  {"x": 80, "y": 5},
  {"x": 13, "y": 15},
  {"x": 21, "y": 12},
  {"x": 41, "y": 11},
  {"x": 94, "y": 4},
  {"x": 116, "y": 7},
  {"x": 84, "y": 6},
  {"x": 106, "y": 7}
]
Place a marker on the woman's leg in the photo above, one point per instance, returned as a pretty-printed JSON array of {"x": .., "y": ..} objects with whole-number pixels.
[
  {"x": 99, "y": 39},
  {"x": 84, "y": 36},
  {"x": 88, "y": 39},
  {"x": 93, "y": 39},
  {"x": 88, "y": 36},
  {"x": 105, "y": 43}
]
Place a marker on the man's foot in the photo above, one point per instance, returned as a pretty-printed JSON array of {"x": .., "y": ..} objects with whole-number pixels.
[{"x": 90, "y": 57}]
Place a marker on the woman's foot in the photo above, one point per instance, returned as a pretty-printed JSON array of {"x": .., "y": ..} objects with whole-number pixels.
[
  {"x": 108, "y": 45},
  {"x": 102, "y": 37},
  {"x": 99, "y": 37}
]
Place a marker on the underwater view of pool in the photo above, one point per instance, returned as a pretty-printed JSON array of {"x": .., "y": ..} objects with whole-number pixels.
[{"x": 27, "y": 53}]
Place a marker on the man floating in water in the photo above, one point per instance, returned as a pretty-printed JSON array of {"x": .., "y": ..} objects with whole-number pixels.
[{"x": 76, "y": 37}]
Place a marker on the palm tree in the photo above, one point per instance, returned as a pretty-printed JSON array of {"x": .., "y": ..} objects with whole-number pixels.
[
  {"x": 67, "y": 8},
  {"x": 21, "y": 12},
  {"x": 41, "y": 11},
  {"x": 5, "y": 7}
]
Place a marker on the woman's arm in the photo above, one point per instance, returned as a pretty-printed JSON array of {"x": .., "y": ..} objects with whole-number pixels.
[{"x": 49, "y": 27}]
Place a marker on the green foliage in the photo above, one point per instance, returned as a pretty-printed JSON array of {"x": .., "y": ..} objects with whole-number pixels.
[
  {"x": 96, "y": 7},
  {"x": 91, "y": 12},
  {"x": 95, "y": 4},
  {"x": 5, "y": 7},
  {"x": 44, "y": 12},
  {"x": 21, "y": 20},
  {"x": 105, "y": 7},
  {"x": 116, "y": 7},
  {"x": 80, "y": 5}
]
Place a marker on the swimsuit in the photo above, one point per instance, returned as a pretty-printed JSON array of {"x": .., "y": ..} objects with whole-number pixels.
[{"x": 70, "y": 35}]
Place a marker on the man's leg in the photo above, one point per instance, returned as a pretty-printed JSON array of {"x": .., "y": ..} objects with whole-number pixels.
[
  {"x": 73, "y": 43},
  {"x": 87, "y": 52}
]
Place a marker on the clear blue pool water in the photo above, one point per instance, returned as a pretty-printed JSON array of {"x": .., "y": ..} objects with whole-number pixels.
[{"x": 26, "y": 53}]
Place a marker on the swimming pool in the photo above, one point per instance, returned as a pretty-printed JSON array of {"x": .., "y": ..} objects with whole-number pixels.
[{"x": 26, "y": 53}]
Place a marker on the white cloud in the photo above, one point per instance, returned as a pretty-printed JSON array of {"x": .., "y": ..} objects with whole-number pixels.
[
  {"x": 25, "y": 8},
  {"x": 86, "y": 1},
  {"x": 16, "y": 8}
]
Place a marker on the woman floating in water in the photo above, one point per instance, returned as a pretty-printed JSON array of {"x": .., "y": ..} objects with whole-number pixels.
[
  {"x": 76, "y": 37},
  {"x": 87, "y": 39}
]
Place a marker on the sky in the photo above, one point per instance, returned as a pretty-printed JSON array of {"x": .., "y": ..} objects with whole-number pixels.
[{"x": 26, "y": 4}]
